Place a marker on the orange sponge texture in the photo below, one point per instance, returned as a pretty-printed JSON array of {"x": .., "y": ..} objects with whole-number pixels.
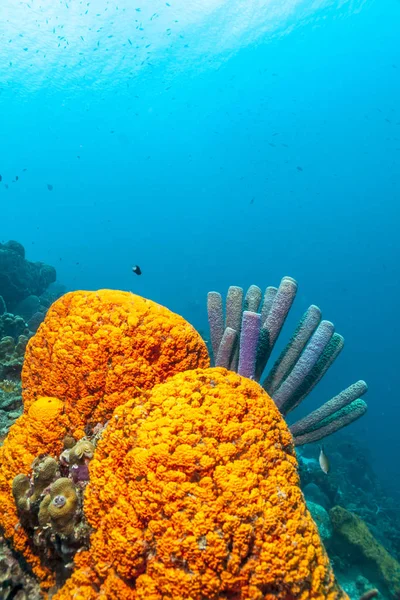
[
  {"x": 194, "y": 493},
  {"x": 96, "y": 350}
]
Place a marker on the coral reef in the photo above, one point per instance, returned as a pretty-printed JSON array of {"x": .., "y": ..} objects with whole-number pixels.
[
  {"x": 243, "y": 341},
  {"x": 12, "y": 357},
  {"x": 12, "y": 326},
  {"x": 322, "y": 521},
  {"x": 353, "y": 484},
  {"x": 354, "y": 537},
  {"x": 144, "y": 478},
  {"x": 194, "y": 493},
  {"x": 97, "y": 350},
  {"x": 20, "y": 278},
  {"x": 10, "y": 404}
]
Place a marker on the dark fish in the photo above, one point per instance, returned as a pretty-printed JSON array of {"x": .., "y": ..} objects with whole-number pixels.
[
  {"x": 16, "y": 178},
  {"x": 299, "y": 168},
  {"x": 1, "y": 178},
  {"x": 136, "y": 269},
  {"x": 49, "y": 187}
]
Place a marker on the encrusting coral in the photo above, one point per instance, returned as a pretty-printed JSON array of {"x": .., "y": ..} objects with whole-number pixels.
[
  {"x": 95, "y": 350},
  {"x": 80, "y": 451},
  {"x": 194, "y": 493},
  {"x": 59, "y": 506}
]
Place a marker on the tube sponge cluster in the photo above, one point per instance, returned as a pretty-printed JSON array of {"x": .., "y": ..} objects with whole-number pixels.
[
  {"x": 96, "y": 350},
  {"x": 194, "y": 493},
  {"x": 244, "y": 335}
]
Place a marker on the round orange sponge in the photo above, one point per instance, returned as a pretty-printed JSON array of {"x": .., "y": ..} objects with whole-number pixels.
[
  {"x": 194, "y": 493},
  {"x": 96, "y": 350}
]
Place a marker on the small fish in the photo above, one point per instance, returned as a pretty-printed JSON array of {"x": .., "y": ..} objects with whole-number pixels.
[
  {"x": 49, "y": 187},
  {"x": 370, "y": 594},
  {"x": 299, "y": 168},
  {"x": 323, "y": 461},
  {"x": 1, "y": 178},
  {"x": 136, "y": 269}
]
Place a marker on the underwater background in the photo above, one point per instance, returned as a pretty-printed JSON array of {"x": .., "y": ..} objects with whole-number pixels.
[{"x": 220, "y": 143}]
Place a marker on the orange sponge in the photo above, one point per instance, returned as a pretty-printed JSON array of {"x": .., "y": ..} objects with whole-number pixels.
[
  {"x": 96, "y": 350},
  {"x": 194, "y": 493}
]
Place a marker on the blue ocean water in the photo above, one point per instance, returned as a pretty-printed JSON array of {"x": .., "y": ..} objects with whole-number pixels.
[{"x": 216, "y": 143}]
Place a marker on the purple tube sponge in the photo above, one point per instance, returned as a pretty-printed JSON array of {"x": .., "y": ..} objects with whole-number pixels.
[
  {"x": 244, "y": 341},
  {"x": 252, "y": 299},
  {"x": 304, "y": 365},
  {"x": 269, "y": 298},
  {"x": 234, "y": 310},
  {"x": 318, "y": 416},
  {"x": 226, "y": 348},
  {"x": 276, "y": 317},
  {"x": 250, "y": 332},
  {"x": 215, "y": 320},
  {"x": 338, "y": 420},
  {"x": 293, "y": 350},
  {"x": 234, "y": 304}
]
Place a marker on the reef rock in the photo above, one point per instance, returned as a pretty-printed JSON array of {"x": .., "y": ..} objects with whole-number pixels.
[
  {"x": 322, "y": 520},
  {"x": 20, "y": 278},
  {"x": 15, "y": 582},
  {"x": 352, "y": 537}
]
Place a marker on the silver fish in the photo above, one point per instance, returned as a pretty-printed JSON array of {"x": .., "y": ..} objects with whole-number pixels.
[{"x": 323, "y": 461}]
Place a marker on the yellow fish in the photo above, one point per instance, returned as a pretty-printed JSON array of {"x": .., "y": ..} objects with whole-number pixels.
[{"x": 323, "y": 461}]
